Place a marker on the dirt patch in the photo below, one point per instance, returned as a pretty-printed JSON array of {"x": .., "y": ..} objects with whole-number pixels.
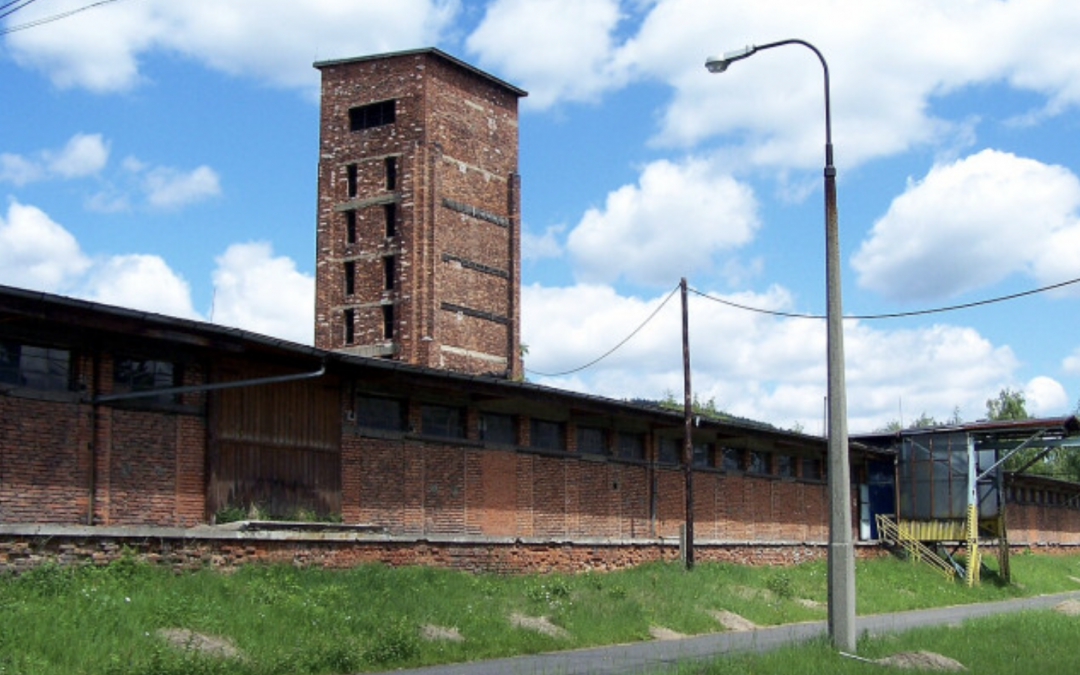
[
  {"x": 810, "y": 604},
  {"x": 211, "y": 645},
  {"x": 433, "y": 633},
  {"x": 540, "y": 624},
  {"x": 921, "y": 661},
  {"x": 731, "y": 621},
  {"x": 661, "y": 633},
  {"x": 1068, "y": 607},
  {"x": 1076, "y": 579}
]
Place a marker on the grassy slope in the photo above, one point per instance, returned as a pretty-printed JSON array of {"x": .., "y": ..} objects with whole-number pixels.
[{"x": 287, "y": 620}]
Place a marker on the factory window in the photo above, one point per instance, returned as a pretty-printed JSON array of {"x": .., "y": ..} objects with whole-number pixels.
[
  {"x": 34, "y": 367},
  {"x": 391, "y": 173},
  {"x": 785, "y": 466},
  {"x": 631, "y": 446},
  {"x": 702, "y": 455},
  {"x": 388, "y": 322},
  {"x": 350, "y": 227},
  {"x": 390, "y": 216},
  {"x": 131, "y": 375},
  {"x": 759, "y": 462},
  {"x": 546, "y": 434},
  {"x": 371, "y": 115},
  {"x": 350, "y": 177},
  {"x": 443, "y": 421},
  {"x": 388, "y": 272},
  {"x": 670, "y": 451},
  {"x": 811, "y": 468},
  {"x": 731, "y": 459},
  {"x": 591, "y": 441},
  {"x": 496, "y": 428},
  {"x": 350, "y": 278},
  {"x": 350, "y": 326},
  {"x": 377, "y": 412}
]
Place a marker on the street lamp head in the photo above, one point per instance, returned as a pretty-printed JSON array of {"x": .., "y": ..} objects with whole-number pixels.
[{"x": 718, "y": 64}]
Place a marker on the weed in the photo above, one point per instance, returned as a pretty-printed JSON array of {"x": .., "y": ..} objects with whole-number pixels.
[
  {"x": 393, "y": 643},
  {"x": 781, "y": 585}
]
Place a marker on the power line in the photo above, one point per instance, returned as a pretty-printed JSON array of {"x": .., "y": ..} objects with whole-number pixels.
[
  {"x": 47, "y": 19},
  {"x": 613, "y": 349},
  {"x": 894, "y": 315},
  {"x": 12, "y": 10}
]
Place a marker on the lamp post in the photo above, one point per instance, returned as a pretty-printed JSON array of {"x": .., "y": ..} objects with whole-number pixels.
[{"x": 841, "y": 562}]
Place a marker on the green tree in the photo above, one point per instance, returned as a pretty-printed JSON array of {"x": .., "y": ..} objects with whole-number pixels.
[{"x": 1009, "y": 405}]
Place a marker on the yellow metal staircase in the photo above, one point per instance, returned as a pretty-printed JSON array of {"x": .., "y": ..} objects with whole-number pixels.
[{"x": 891, "y": 532}]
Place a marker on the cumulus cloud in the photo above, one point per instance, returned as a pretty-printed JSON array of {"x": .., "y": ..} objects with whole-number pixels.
[
  {"x": 257, "y": 291},
  {"x": 101, "y": 49},
  {"x": 83, "y": 155},
  {"x": 751, "y": 364},
  {"x": 670, "y": 224},
  {"x": 1071, "y": 363},
  {"x": 1044, "y": 396},
  {"x": 36, "y": 252},
  {"x": 140, "y": 281},
  {"x": 170, "y": 188},
  {"x": 972, "y": 223},
  {"x": 556, "y": 49}
]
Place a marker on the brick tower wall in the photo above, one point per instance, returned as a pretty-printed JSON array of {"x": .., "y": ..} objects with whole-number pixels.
[{"x": 447, "y": 171}]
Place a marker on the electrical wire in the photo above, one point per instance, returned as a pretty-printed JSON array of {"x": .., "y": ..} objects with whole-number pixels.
[
  {"x": 12, "y": 10},
  {"x": 613, "y": 349},
  {"x": 894, "y": 315},
  {"x": 49, "y": 19},
  {"x": 794, "y": 315}
]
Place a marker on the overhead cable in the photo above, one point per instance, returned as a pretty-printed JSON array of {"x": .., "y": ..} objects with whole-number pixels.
[
  {"x": 48, "y": 19},
  {"x": 613, "y": 349},
  {"x": 894, "y": 315}
]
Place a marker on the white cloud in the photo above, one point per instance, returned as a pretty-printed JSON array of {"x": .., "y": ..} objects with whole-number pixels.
[
  {"x": 556, "y": 49},
  {"x": 36, "y": 252},
  {"x": 166, "y": 187},
  {"x": 19, "y": 170},
  {"x": 753, "y": 365},
  {"x": 1071, "y": 363},
  {"x": 972, "y": 223},
  {"x": 672, "y": 223},
  {"x": 256, "y": 291},
  {"x": 1044, "y": 397},
  {"x": 140, "y": 282},
  {"x": 546, "y": 245},
  {"x": 83, "y": 155},
  {"x": 101, "y": 49}
]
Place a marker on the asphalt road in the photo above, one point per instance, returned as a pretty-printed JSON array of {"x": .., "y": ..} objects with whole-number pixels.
[{"x": 658, "y": 655}]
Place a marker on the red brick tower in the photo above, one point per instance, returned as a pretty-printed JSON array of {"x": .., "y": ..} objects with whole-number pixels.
[{"x": 418, "y": 232}]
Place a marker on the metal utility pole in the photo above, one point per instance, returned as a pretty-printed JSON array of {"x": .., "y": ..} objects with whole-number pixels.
[{"x": 688, "y": 440}]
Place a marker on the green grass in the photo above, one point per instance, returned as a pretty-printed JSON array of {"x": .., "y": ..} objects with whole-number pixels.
[
  {"x": 313, "y": 621},
  {"x": 1027, "y": 642}
]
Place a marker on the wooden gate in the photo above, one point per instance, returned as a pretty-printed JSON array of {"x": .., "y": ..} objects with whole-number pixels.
[{"x": 275, "y": 449}]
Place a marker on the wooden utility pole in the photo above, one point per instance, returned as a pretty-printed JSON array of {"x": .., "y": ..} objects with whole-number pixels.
[{"x": 688, "y": 440}]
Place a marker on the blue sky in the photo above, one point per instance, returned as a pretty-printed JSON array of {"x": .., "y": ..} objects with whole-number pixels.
[{"x": 162, "y": 155}]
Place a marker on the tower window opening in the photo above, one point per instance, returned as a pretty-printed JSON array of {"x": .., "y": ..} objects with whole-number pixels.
[
  {"x": 350, "y": 278},
  {"x": 350, "y": 227},
  {"x": 350, "y": 173},
  {"x": 350, "y": 326},
  {"x": 388, "y": 272},
  {"x": 388, "y": 321},
  {"x": 371, "y": 115},
  {"x": 390, "y": 215},
  {"x": 391, "y": 173}
]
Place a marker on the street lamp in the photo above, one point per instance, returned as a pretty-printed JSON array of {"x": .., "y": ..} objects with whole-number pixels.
[{"x": 841, "y": 563}]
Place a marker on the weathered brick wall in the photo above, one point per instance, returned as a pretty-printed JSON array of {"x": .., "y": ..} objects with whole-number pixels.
[
  {"x": 415, "y": 487},
  {"x": 44, "y": 460},
  {"x": 1041, "y": 524},
  {"x": 454, "y": 138}
]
